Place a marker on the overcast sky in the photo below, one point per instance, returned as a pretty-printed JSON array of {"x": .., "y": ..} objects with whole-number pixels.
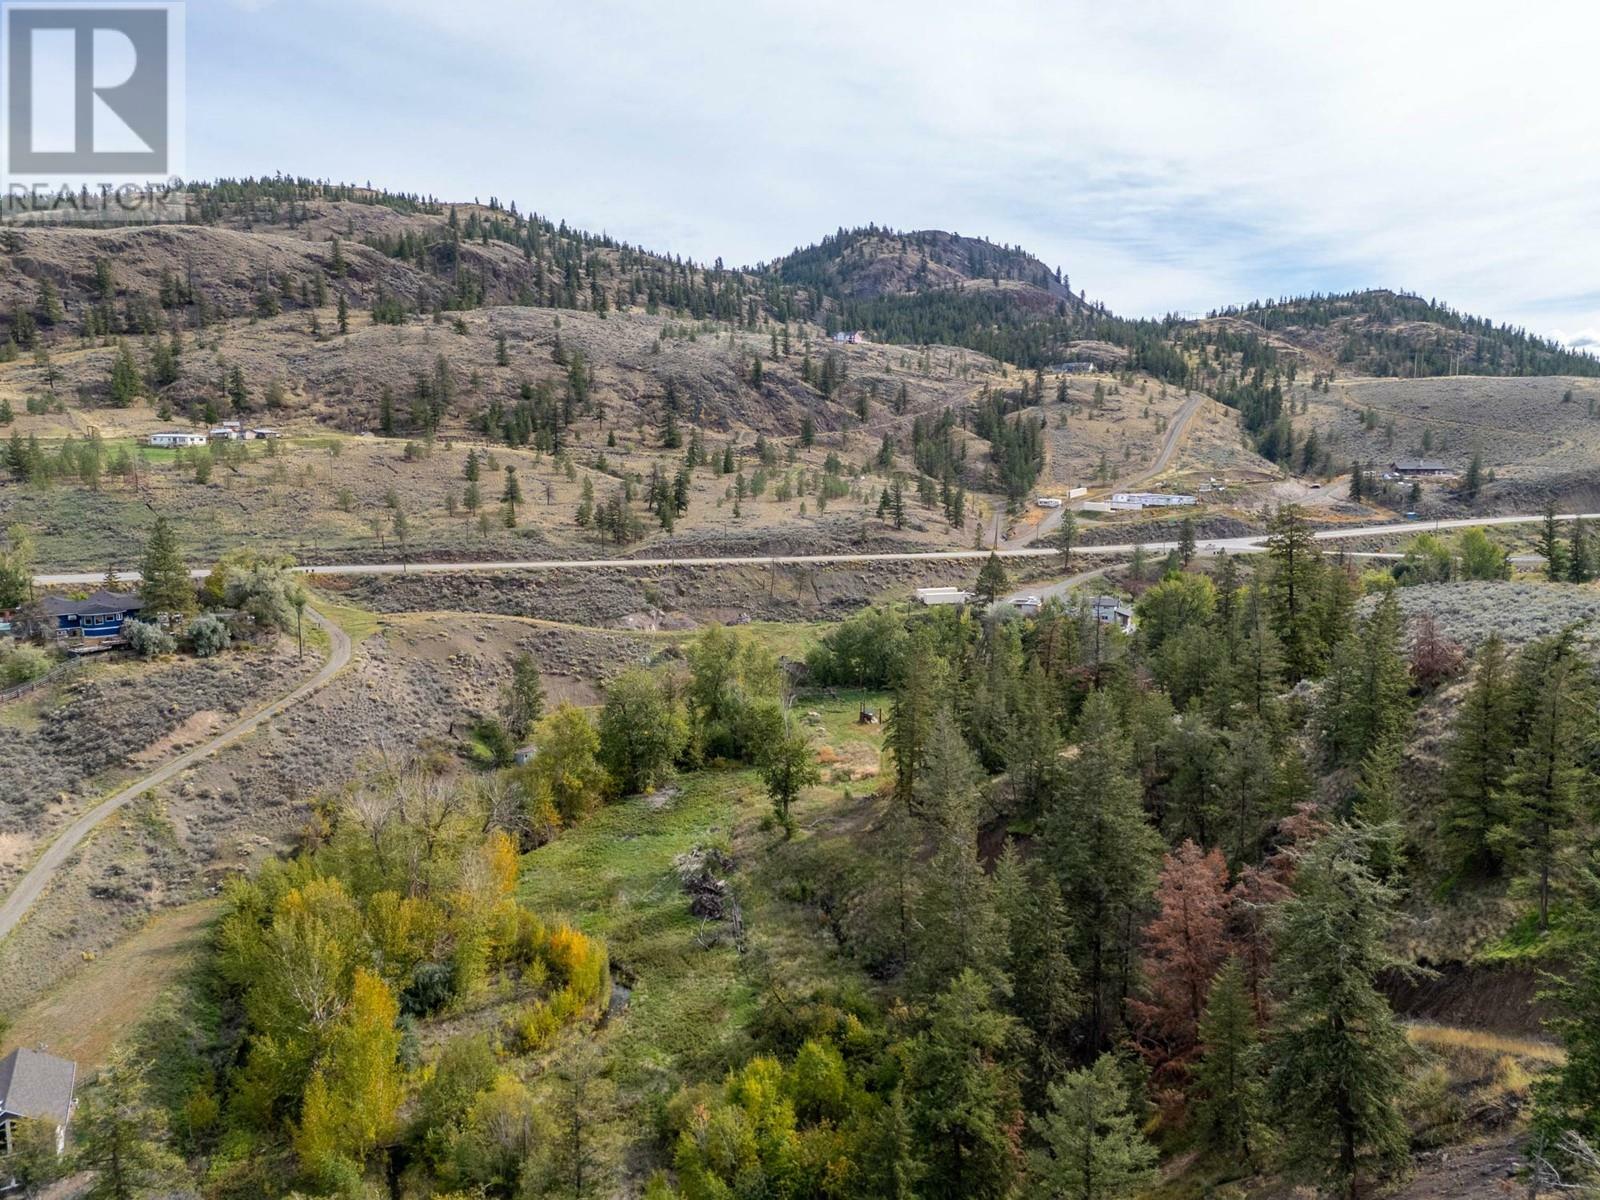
[{"x": 1168, "y": 156}]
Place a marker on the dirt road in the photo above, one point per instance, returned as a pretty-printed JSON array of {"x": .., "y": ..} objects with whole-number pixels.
[
  {"x": 32, "y": 885},
  {"x": 1170, "y": 443}
]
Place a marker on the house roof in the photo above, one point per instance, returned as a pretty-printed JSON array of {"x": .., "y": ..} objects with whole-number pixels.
[
  {"x": 1419, "y": 464},
  {"x": 35, "y": 1084},
  {"x": 102, "y": 603}
]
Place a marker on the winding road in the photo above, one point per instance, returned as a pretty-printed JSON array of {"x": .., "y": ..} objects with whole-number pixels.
[{"x": 32, "y": 885}]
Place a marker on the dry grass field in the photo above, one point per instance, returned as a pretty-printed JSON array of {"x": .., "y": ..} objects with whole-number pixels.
[
  {"x": 1539, "y": 436},
  {"x": 331, "y": 491}
]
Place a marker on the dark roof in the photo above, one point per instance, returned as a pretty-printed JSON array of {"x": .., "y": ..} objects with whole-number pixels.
[
  {"x": 1419, "y": 464},
  {"x": 35, "y": 1084},
  {"x": 101, "y": 603}
]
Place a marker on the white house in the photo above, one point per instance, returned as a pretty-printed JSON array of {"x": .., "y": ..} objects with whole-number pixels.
[
  {"x": 171, "y": 439},
  {"x": 850, "y": 337}
]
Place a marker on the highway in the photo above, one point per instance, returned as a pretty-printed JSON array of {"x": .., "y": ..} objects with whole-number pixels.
[{"x": 1251, "y": 544}]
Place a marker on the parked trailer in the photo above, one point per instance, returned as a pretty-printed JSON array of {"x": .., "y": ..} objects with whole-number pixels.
[{"x": 943, "y": 595}]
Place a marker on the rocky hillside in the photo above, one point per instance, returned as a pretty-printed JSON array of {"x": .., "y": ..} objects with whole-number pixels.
[{"x": 1386, "y": 333}]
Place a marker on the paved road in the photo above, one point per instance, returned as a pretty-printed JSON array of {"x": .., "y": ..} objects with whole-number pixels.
[
  {"x": 1253, "y": 543},
  {"x": 33, "y": 884},
  {"x": 1058, "y": 589}
]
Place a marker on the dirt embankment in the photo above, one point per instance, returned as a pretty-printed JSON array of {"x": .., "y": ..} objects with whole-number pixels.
[
  {"x": 609, "y": 597},
  {"x": 1206, "y": 528},
  {"x": 1502, "y": 1000}
]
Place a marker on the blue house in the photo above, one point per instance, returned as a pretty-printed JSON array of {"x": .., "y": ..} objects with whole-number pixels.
[{"x": 95, "y": 623}]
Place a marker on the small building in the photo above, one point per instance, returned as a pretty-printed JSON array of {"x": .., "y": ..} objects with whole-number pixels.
[
  {"x": 174, "y": 440},
  {"x": 943, "y": 595},
  {"x": 1150, "y": 500},
  {"x": 34, "y": 1086},
  {"x": 850, "y": 337},
  {"x": 524, "y": 755},
  {"x": 1108, "y": 610},
  {"x": 262, "y": 433},
  {"x": 1420, "y": 468},
  {"x": 1075, "y": 368},
  {"x": 95, "y": 623}
]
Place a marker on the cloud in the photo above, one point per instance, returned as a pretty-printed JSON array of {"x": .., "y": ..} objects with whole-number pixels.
[{"x": 1583, "y": 339}]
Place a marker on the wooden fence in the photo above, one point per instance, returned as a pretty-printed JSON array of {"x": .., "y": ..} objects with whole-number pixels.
[{"x": 71, "y": 667}]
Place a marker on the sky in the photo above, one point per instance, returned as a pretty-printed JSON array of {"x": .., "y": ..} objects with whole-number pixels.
[{"x": 1169, "y": 157}]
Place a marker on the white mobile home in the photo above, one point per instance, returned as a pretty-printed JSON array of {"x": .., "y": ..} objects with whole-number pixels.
[
  {"x": 1151, "y": 500},
  {"x": 943, "y": 595},
  {"x": 171, "y": 439}
]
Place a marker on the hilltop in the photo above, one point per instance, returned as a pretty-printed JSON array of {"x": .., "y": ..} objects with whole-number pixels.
[{"x": 594, "y": 366}]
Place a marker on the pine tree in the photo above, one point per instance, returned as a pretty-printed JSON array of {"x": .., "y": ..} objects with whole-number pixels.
[
  {"x": 1565, "y": 1097},
  {"x": 522, "y": 702},
  {"x": 955, "y": 917},
  {"x": 1479, "y": 756},
  {"x": 1550, "y": 547},
  {"x": 965, "y": 1095},
  {"x": 1186, "y": 544},
  {"x": 1229, "y": 1088},
  {"x": 511, "y": 496},
  {"x": 165, "y": 586},
  {"x": 1294, "y": 584},
  {"x": 126, "y": 384},
  {"x": 1366, "y": 699},
  {"x": 1338, "y": 1055},
  {"x": 1377, "y": 806},
  {"x": 117, "y": 1130},
  {"x": 1038, "y": 933},
  {"x": 1580, "y": 554},
  {"x": 1105, "y": 857},
  {"x": 1472, "y": 482},
  {"x": 992, "y": 579},
  {"x": 788, "y": 765},
  {"x": 1550, "y": 781},
  {"x": 344, "y": 314},
  {"x": 1093, "y": 1148},
  {"x": 918, "y": 689}
]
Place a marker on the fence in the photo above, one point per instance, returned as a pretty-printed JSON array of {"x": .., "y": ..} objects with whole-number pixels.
[{"x": 70, "y": 667}]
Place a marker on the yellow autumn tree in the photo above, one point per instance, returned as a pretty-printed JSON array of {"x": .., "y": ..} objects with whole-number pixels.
[{"x": 354, "y": 1094}]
